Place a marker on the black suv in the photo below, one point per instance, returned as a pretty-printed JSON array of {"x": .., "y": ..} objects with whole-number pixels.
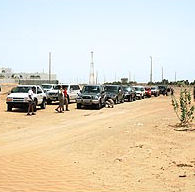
[
  {"x": 130, "y": 93},
  {"x": 115, "y": 92},
  {"x": 91, "y": 95},
  {"x": 163, "y": 89}
]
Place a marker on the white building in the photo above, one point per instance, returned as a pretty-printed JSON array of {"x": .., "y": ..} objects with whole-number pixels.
[{"x": 7, "y": 73}]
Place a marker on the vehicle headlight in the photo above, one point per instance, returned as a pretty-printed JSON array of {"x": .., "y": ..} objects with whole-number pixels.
[
  {"x": 25, "y": 99},
  {"x": 79, "y": 97},
  {"x": 96, "y": 97},
  {"x": 9, "y": 99}
]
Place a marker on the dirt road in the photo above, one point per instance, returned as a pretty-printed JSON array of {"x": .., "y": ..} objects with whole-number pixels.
[{"x": 131, "y": 148}]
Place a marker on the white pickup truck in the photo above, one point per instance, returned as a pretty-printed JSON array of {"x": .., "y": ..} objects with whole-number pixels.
[
  {"x": 72, "y": 90},
  {"x": 18, "y": 98}
]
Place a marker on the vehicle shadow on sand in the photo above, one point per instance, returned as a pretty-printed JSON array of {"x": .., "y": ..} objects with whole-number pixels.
[{"x": 18, "y": 110}]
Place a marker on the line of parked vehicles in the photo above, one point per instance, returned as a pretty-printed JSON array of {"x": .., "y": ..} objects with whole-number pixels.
[{"x": 89, "y": 95}]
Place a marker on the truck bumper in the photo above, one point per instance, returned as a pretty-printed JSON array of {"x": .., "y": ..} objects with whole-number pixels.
[
  {"x": 87, "y": 101},
  {"x": 18, "y": 104}
]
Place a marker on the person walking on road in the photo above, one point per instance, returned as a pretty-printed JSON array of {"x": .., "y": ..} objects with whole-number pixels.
[
  {"x": 66, "y": 99},
  {"x": 61, "y": 101},
  {"x": 172, "y": 91},
  {"x": 31, "y": 102}
]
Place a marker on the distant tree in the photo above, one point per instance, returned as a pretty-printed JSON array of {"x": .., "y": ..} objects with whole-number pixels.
[
  {"x": 192, "y": 83},
  {"x": 151, "y": 83},
  {"x": 120, "y": 83},
  {"x": 165, "y": 82}
]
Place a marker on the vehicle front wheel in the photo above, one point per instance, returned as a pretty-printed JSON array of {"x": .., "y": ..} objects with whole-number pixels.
[
  {"x": 78, "y": 106},
  {"x": 43, "y": 105},
  {"x": 35, "y": 106},
  {"x": 99, "y": 105},
  {"x": 68, "y": 99},
  {"x": 49, "y": 101},
  {"x": 9, "y": 107}
]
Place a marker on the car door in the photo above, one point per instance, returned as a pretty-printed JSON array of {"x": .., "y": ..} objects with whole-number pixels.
[
  {"x": 39, "y": 95},
  {"x": 120, "y": 93},
  {"x": 143, "y": 91},
  {"x": 72, "y": 91},
  {"x": 76, "y": 90}
]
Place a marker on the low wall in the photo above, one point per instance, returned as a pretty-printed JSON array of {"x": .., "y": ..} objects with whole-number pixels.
[
  {"x": 37, "y": 82},
  {"x": 6, "y": 81}
]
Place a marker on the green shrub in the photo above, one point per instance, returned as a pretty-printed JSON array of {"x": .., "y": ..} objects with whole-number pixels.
[{"x": 184, "y": 108}]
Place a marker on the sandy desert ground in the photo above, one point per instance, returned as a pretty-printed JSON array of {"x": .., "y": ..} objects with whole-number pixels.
[{"x": 131, "y": 148}]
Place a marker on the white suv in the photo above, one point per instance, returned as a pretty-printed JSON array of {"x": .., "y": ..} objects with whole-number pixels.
[
  {"x": 72, "y": 90},
  {"x": 140, "y": 92},
  {"x": 18, "y": 98},
  {"x": 48, "y": 87}
]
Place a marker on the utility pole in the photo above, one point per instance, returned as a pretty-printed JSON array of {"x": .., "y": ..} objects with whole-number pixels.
[
  {"x": 162, "y": 74},
  {"x": 49, "y": 67},
  {"x": 104, "y": 78},
  {"x": 175, "y": 76},
  {"x": 96, "y": 77},
  {"x": 92, "y": 76},
  {"x": 151, "y": 70},
  {"x": 129, "y": 76}
]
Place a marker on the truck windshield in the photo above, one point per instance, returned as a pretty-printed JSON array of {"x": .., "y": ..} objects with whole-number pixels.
[
  {"x": 57, "y": 87},
  {"x": 111, "y": 89},
  {"x": 161, "y": 87},
  {"x": 138, "y": 88},
  {"x": 20, "y": 89},
  {"x": 47, "y": 86},
  {"x": 127, "y": 88},
  {"x": 91, "y": 89}
]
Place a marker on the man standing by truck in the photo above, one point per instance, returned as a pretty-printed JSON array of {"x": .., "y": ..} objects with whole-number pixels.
[
  {"x": 66, "y": 99},
  {"x": 31, "y": 102},
  {"x": 61, "y": 101}
]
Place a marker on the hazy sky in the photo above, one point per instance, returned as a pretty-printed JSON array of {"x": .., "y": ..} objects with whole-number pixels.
[{"x": 122, "y": 33}]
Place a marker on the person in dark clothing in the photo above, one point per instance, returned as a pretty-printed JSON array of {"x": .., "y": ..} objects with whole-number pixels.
[
  {"x": 66, "y": 99},
  {"x": 61, "y": 101},
  {"x": 172, "y": 90}
]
